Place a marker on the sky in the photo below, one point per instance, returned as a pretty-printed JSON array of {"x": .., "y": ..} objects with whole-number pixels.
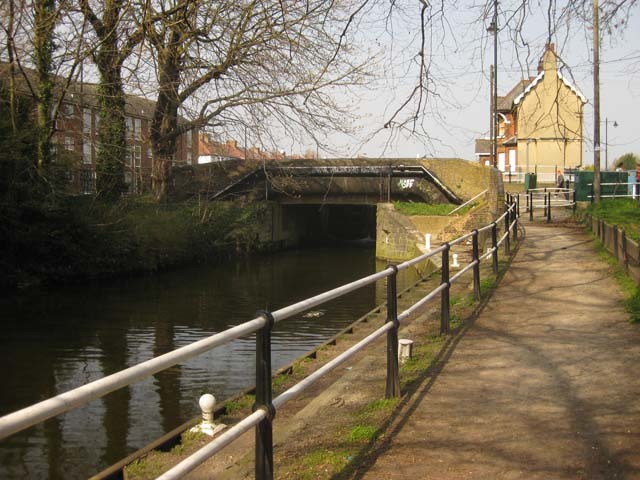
[{"x": 461, "y": 55}]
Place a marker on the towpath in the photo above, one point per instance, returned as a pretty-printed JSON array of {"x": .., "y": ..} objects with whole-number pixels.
[{"x": 543, "y": 385}]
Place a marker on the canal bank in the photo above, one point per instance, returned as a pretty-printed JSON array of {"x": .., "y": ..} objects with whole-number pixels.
[
  {"x": 327, "y": 407},
  {"x": 539, "y": 384},
  {"x": 61, "y": 338}
]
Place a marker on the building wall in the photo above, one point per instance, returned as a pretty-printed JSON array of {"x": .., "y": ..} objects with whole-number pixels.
[
  {"x": 550, "y": 122},
  {"x": 76, "y": 139}
]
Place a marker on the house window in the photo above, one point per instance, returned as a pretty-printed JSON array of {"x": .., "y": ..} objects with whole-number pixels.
[
  {"x": 87, "y": 151},
  {"x": 68, "y": 110},
  {"x": 501, "y": 126},
  {"x": 69, "y": 144},
  {"x": 189, "y": 148},
  {"x": 87, "y": 137},
  {"x": 86, "y": 121},
  {"x": 129, "y": 126},
  {"x": 137, "y": 128},
  {"x": 136, "y": 153}
]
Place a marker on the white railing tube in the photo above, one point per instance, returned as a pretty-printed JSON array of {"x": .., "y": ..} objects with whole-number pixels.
[
  {"x": 404, "y": 315},
  {"x": 193, "y": 461},
  {"x": 308, "y": 303},
  {"x": 39, "y": 412},
  {"x": 467, "y": 202},
  {"x": 301, "y": 386},
  {"x": 462, "y": 271},
  {"x": 421, "y": 258}
]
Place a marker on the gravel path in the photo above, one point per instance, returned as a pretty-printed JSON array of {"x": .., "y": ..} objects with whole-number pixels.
[{"x": 544, "y": 384}]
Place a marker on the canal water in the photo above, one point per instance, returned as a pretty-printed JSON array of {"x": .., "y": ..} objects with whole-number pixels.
[{"x": 60, "y": 338}]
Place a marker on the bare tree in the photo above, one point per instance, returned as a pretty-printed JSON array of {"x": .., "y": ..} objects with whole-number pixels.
[
  {"x": 253, "y": 59},
  {"x": 116, "y": 40}
]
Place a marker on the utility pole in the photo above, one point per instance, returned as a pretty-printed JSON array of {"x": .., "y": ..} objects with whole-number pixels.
[
  {"x": 494, "y": 120},
  {"x": 493, "y": 135},
  {"x": 596, "y": 102},
  {"x": 491, "y": 113}
]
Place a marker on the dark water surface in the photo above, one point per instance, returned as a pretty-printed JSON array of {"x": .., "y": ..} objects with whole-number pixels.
[{"x": 58, "y": 339}]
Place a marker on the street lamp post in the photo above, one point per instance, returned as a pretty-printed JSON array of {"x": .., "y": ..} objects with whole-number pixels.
[{"x": 606, "y": 140}]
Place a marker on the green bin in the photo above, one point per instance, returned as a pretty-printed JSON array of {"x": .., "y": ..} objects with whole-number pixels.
[{"x": 530, "y": 181}]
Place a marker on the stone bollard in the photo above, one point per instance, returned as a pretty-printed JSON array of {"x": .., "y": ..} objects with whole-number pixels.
[
  {"x": 427, "y": 241},
  {"x": 455, "y": 263},
  {"x": 207, "y": 404},
  {"x": 405, "y": 349}
]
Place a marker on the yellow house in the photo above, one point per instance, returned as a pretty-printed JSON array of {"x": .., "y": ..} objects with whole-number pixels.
[
  {"x": 549, "y": 119},
  {"x": 539, "y": 123}
]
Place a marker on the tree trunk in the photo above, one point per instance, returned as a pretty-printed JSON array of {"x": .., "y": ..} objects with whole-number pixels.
[
  {"x": 112, "y": 143},
  {"x": 43, "y": 49},
  {"x": 164, "y": 126}
]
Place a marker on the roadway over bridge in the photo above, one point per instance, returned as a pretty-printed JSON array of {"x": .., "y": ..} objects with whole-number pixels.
[{"x": 342, "y": 181}]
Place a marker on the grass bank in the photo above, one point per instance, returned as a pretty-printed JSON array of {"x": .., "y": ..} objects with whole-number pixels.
[
  {"x": 79, "y": 238},
  {"x": 625, "y": 213}
]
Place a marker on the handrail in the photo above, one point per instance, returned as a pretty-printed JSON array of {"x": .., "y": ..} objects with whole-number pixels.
[
  {"x": 265, "y": 406},
  {"x": 39, "y": 412},
  {"x": 467, "y": 202}
]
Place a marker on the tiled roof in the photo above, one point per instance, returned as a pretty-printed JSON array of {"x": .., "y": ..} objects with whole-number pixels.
[
  {"x": 505, "y": 103},
  {"x": 483, "y": 146}
]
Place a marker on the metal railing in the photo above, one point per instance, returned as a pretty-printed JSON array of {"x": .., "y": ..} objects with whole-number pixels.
[
  {"x": 546, "y": 199},
  {"x": 627, "y": 190},
  {"x": 468, "y": 202},
  {"x": 265, "y": 405}
]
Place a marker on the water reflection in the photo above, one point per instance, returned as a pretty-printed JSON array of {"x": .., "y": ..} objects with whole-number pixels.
[{"x": 59, "y": 339}]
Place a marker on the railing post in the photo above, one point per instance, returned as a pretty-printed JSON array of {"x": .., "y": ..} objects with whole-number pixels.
[
  {"x": 494, "y": 246},
  {"x": 507, "y": 231},
  {"x": 518, "y": 204},
  {"x": 264, "y": 430},
  {"x": 444, "y": 296},
  {"x": 476, "y": 268},
  {"x": 574, "y": 201},
  {"x": 393, "y": 376},
  {"x": 549, "y": 208},
  {"x": 544, "y": 211},
  {"x": 531, "y": 206},
  {"x": 514, "y": 221},
  {"x": 625, "y": 258}
]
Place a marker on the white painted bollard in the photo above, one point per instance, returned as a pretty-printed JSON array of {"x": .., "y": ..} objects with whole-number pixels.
[
  {"x": 455, "y": 263},
  {"x": 427, "y": 241},
  {"x": 405, "y": 349},
  {"x": 207, "y": 404}
]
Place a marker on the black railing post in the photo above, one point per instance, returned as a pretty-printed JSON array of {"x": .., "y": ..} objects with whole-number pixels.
[
  {"x": 549, "y": 207},
  {"x": 444, "y": 296},
  {"x": 531, "y": 206},
  {"x": 393, "y": 375},
  {"x": 574, "y": 201},
  {"x": 507, "y": 231},
  {"x": 514, "y": 221},
  {"x": 544, "y": 210},
  {"x": 476, "y": 268},
  {"x": 625, "y": 258},
  {"x": 264, "y": 430},
  {"x": 518, "y": 204},
  {"x": 494, "y": 246}
]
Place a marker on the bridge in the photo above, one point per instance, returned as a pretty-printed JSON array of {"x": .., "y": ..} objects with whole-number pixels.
[
  {"x": 329, "y": 201},
  {"x": 299, "y": 183}
]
